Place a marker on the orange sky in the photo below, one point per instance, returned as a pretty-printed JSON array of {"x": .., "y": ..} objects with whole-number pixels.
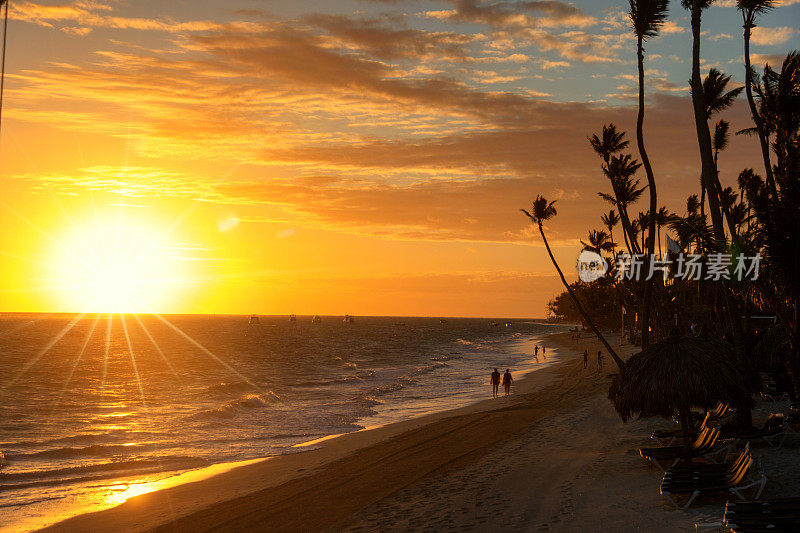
[{"x": 368, "y": 157}]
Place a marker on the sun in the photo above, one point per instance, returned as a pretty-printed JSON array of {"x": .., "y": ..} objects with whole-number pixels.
[{"x": 115, "y": 265}]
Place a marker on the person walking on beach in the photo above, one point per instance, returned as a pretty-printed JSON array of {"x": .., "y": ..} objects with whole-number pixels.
[
  {"x": 543, "y": 351},
  {"x": 495, "y": 382},
  {"x": 507, "y": 379},
  {"x": 585, "y": 359}
]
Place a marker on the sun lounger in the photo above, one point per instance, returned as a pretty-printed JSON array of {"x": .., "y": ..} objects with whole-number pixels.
[
  {"x": 776, "y": 516},
  {"x": 668, "y": 436},
  {"x": 693, "y": 469},
  {"x": 704, "y": 446},
  {"x": 774, "y": 430},
  {"x": 749, "y": 474}
]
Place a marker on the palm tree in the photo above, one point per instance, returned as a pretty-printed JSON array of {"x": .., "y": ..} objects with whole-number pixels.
[
  {"x": 750, "y": 10},
  {"x": 715, "y": 96},
  {"x": 720, "y": 142},
  {"x": 599, "y": 242},
  {"x": 610, "y": 220},
  {"x": 620, "y": 171},
  {"x": 708, "y": 172},
  {"x": 3, "y": 60},
  {"x": 778, "y": 96},
  {"x": 541, "y": 211},
  {"x": 609, "y": 142},
  {"x": 647, "y": 17},
  {"x": 662, "y": 218}
]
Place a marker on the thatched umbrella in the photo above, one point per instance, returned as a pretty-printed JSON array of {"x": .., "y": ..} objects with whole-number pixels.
[{"x": 677, "y": 374}]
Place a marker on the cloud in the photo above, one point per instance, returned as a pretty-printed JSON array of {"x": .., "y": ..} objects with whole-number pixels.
[
  {"x": 771, "y": 36},
  {"x": 376, "y": 38}
]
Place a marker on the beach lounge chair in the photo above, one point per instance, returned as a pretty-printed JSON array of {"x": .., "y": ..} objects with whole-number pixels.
[
  {"x": 692, "y": 469},
  {"x": 776, "y": 516},
  {"x": 774, "y": 430},
  {"x": 704, "y": 446},
  {"x": 749, "y": 474},
  {"x": 667, "y": 436}
]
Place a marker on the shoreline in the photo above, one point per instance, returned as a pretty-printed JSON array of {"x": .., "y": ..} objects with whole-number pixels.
[{"x": 267, "y": 473}]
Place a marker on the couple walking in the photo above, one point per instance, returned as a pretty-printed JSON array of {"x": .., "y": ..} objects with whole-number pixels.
[{"x": 495, "y": 380}]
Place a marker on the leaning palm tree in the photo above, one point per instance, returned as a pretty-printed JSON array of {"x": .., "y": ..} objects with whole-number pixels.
[
  {"x": 541, "y": 211},
  {"x": 3, "y": 60},
  {"x": 750, "y": 10},
  {"x": 708, "y": 172},
  {"x": 647, "y": 17}
]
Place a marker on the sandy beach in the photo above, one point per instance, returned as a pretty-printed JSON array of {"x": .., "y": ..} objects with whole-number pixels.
[{"x": 552, "y": 457}]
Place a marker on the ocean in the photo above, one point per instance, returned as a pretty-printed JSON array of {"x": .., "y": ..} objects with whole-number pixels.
[{"x": 92, "y": 406}]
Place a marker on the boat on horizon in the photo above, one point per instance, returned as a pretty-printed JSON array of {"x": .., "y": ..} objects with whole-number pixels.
[
  {"x": 316, "y": 319},
  {"x": 348, "y": 319},
  {"x": 254, "y": 319}
]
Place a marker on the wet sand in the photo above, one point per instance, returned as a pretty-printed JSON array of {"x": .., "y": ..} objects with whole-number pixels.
[{"x": 552, "y": 457}]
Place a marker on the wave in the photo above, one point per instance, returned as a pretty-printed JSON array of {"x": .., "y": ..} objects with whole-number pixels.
[
  {"x": 95, "y": 450},
  {"x": 224, "y": 387},
  {"x": 86, "y": 439},
  {"x": 230, "y": 409},
  {"x": 449, "y": 357},
  {"x": 114, "y": 468}
]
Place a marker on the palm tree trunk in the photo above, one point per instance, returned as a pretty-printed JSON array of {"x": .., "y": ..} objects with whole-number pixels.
[
  {"x": 658, "y": 231},
  {"x": 612, "y": 353},
  {"x": 726, "y": 210},
  {"x": 627, "y": 227},
  {"x": 701, "y": 125},
  {"x": 762, "y": 136},
  {"x": 648, "y": 285}
]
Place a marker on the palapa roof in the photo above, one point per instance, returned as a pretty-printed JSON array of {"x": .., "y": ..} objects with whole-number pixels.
[{"x": 678, "y": 371}]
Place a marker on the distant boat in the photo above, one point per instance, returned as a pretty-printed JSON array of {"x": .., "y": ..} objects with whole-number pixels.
[
  {"x": 509, "y": 324},
  {"x": 348, "y": 319},
  {"x": 254, "y": 319},
  {"x": 316, "y": 319},
  {"x": 292, "y": 318},
  {"x": 442, "y": 321}
]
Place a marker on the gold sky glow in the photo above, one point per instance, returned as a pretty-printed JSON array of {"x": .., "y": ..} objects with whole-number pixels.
[{"x": 309, "y": 158}]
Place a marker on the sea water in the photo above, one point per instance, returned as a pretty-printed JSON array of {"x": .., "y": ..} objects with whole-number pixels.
[{"x": 92, "y": 406}]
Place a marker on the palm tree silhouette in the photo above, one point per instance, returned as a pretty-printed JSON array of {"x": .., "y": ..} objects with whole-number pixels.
[
  {"x": 542, "y": 210},
  {"x": 750, "y": 10},
  {"x": 620, "y": 171},
  {"x": 717, "y": 98},
  {"x": 662, "y": 218},
  {"x": 609, "y": 143},
  {"x": 599, "y": 242},
  {"x": 610, "y": 220},
  {"x": 647, "y": 17},
  {"x": 3, "y": 60},
  {"x": 708, "y": 172}
]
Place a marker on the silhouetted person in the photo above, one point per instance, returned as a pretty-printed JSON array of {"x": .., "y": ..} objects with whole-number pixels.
[
  {"x": 599, "y": 360},
  {"x": 536, "y": 351},
  {"x": 495, "y": 382},
  {"x": 544, "y": 351},
  {"x": 585, "y": 359},
  {"x": 507, "y": 379}
]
